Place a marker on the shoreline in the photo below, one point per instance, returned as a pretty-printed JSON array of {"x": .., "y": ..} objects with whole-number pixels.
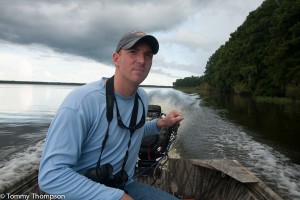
[{"x": 64, "y": 83}]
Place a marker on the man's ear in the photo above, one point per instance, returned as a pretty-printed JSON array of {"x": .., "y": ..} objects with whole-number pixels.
[{"x": 115, "y": 58}]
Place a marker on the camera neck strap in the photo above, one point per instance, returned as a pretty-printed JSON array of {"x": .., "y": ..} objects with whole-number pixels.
[{"x": 110, "y": 100}]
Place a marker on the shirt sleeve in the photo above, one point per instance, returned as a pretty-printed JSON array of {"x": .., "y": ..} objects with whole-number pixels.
[
  {"x": 61, "y": 151},
  {"x": 151, "y": 128}
]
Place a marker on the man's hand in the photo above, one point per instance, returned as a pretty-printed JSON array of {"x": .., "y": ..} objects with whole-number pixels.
[
  {"x": 171, "y": 119},
  {"x": 126, "y": 197}
]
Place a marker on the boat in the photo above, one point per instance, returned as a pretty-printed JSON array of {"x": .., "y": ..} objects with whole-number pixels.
[
  {"x": 193, "y": 179},
  {"x": 187, "y": 179}
]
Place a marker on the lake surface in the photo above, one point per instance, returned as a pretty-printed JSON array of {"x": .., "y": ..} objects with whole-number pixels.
[
  {"x": 263, "y": 137},
  {"x": 277, "y": 124}
]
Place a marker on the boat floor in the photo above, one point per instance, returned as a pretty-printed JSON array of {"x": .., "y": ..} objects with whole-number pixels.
[{"x": 186, "y": 179}]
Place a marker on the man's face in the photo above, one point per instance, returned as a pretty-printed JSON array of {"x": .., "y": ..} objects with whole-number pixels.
[{"x": 134, "y": 64}]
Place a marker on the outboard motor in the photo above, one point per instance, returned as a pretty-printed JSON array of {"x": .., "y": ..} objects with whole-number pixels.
[{"x": 155, "y": 146}]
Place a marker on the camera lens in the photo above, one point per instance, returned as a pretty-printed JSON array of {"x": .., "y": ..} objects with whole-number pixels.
[
  {"x": 104, "y": 175},
  {"x": 104, "y": 172},
  {"x": 101, "y": 174},
  {"x": 120, "y": 179},
  {"x": 92, "y": 174}
]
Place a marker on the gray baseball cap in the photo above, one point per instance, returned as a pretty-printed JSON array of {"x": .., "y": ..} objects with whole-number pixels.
[{"x": 128, "y": 40}]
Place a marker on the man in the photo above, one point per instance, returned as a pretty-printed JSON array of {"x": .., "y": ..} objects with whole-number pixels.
[{"x": 81, "y": 139}]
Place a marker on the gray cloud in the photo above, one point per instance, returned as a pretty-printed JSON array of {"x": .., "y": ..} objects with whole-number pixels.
[
  {"x": 86, "y": 28},
  {"x": 91, "y": 28}
]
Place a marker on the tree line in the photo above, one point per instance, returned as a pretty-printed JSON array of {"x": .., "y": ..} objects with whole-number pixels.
[{"x": 261, "y": 57}]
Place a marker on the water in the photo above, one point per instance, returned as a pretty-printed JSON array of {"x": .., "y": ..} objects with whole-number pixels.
[
  {"x": 25, "y": 113},
  {"x": 209, "y": 131}
]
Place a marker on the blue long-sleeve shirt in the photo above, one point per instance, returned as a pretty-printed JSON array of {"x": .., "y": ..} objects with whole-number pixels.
[{"x": 74, "y": 140}]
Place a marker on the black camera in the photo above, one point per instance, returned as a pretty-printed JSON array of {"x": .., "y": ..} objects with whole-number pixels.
[{"x": 104, "y": 175}]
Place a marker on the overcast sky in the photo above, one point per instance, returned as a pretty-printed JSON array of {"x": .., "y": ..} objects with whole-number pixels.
[{"x": 73, "y": 40}]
